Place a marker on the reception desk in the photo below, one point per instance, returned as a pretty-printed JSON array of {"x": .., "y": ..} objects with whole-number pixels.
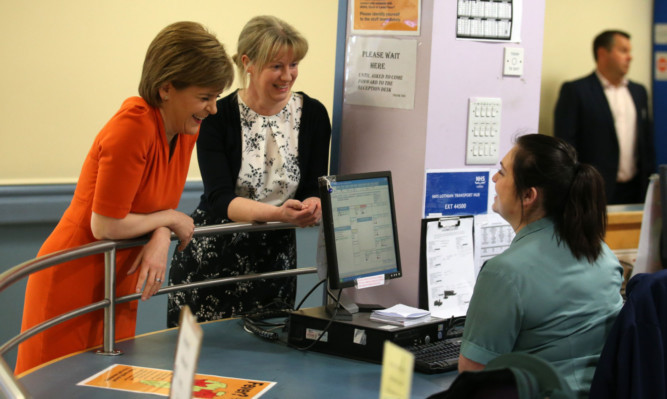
[
  {"x": 623, "y": 226},
  {"x": 228, "y": 350}
]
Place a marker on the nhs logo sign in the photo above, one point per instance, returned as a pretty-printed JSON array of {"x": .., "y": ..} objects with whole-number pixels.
[{"x": 456, "y": 192}]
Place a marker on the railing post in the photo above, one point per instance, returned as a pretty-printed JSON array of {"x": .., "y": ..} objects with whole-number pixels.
[
  {"x": 110, "y": 310},
  {"x": 109, "y": 248},
  {"x": 9, "y": 385}
]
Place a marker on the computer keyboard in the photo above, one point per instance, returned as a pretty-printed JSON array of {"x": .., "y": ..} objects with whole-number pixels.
[{"x": 436, "y": 357}]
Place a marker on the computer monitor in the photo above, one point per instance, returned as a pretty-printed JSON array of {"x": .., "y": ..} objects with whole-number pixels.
[{"x": 359, "y": 225}]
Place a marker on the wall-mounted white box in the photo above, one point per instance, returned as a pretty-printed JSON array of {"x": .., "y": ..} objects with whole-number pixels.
[{"x": 513, "y": 64}]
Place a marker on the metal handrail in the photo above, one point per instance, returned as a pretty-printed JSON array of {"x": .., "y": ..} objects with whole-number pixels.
[{"x": 8, "y": 381}]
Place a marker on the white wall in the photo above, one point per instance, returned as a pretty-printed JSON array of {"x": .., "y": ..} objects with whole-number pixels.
[
  {"x": 474, "y": 69},
  {"x": 569, "y": 29},
  {"x": 67, "y": 66}
]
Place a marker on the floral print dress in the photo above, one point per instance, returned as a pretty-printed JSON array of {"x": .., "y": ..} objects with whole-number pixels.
[{"x": 270, "y": 174}]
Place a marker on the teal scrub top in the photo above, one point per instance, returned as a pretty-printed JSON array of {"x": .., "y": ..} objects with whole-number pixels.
[{"x": 536, "y": 297}]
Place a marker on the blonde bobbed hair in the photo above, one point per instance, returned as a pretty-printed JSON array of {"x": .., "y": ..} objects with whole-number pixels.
[{"x": 263, "y": 39}]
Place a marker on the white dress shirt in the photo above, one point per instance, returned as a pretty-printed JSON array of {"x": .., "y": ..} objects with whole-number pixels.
[{"x": 625, "y": 120}]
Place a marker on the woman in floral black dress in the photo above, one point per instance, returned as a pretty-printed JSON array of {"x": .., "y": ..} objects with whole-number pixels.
[{"x": 259, "y": 157}]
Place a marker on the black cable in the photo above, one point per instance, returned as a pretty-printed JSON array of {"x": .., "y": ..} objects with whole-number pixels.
[
  {"x": 326, "y": 328},
  {"x": 250, "y": 327},
  {"x": 253, "y": 322},
  {"x": 454, "y": 322},
  {"x": 309, "y": 293},
  {"x": 330, "y": 295}
]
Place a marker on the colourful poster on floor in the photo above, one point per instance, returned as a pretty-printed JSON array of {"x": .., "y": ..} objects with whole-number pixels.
[{"x": 158, "y": 382}]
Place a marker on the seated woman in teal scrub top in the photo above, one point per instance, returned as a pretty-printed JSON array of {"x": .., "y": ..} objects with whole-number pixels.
[{"x": 556, "y": 290}]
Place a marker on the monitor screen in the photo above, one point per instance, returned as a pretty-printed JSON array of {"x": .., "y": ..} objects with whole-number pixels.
[{"x": 359, "y": 223}]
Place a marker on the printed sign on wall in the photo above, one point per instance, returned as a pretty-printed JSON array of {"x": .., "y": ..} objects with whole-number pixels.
[
  {"x": 454, "y": 193},
  {"x": 381, "y": 72},
  {"x": 387, "y": 17}
]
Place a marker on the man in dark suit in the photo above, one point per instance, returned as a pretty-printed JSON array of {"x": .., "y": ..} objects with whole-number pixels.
[{"x": 605, "y": 117}]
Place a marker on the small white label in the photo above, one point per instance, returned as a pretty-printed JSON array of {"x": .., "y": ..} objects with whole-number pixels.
[
  {"x": 359, "y": 336},
  {"x": 372, "y": 281},
  {"x": 313, "y": 334},
  {"x": 660, "y": 34}
]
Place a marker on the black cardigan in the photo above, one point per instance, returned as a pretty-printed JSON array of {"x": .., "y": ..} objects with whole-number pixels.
[{"x": 219, "y": 152}]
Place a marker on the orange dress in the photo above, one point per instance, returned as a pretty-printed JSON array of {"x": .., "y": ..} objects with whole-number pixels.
[{"x": 127, "y": 170}]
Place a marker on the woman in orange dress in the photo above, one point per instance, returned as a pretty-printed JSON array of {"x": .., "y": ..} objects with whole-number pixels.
[{"x": 130, "y": 184}]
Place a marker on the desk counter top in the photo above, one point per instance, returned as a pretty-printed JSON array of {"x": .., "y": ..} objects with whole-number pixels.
[
  {"x": 623, "y": 226},
  {"x": 227, "y": 350}
]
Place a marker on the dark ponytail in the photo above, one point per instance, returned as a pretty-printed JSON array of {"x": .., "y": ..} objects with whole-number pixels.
[
  {"x": 572, "y": 193},
  {"x": 583, "y": 223}
]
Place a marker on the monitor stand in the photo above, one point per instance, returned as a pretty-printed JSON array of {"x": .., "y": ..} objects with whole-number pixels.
[
  {"x": 347, "y": 307},
  {"x": 344, "y": 309}
]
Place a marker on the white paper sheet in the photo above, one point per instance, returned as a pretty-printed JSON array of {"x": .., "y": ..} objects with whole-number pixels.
[
  {"x": 492, "y": 236},
  {"x": 648, "y": 253},
  {"x": 449, "y": 266}
]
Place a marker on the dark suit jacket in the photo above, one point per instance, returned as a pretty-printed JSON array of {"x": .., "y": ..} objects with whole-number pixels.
[
  {"x": 583, "y": 118},
  {"x": 633, "y": 363}
]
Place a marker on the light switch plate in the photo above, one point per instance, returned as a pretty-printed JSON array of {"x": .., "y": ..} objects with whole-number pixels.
[
  {"x": 483, "y": 131},
  {"x": 513, "y": 64}
]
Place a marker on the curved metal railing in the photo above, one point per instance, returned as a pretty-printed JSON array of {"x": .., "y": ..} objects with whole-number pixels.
[{"x": 8, "y": 382}]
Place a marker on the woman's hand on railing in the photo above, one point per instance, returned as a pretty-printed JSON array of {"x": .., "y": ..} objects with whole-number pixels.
[
  {"x": 152, "y": 263},
  {"x": 184, "y": 227},
  {"x": 302, "y": 214},
  {"x": 315, "y": 205}
]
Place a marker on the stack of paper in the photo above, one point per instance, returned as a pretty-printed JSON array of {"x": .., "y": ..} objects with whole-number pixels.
[{"x": 401, "y": 315}]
